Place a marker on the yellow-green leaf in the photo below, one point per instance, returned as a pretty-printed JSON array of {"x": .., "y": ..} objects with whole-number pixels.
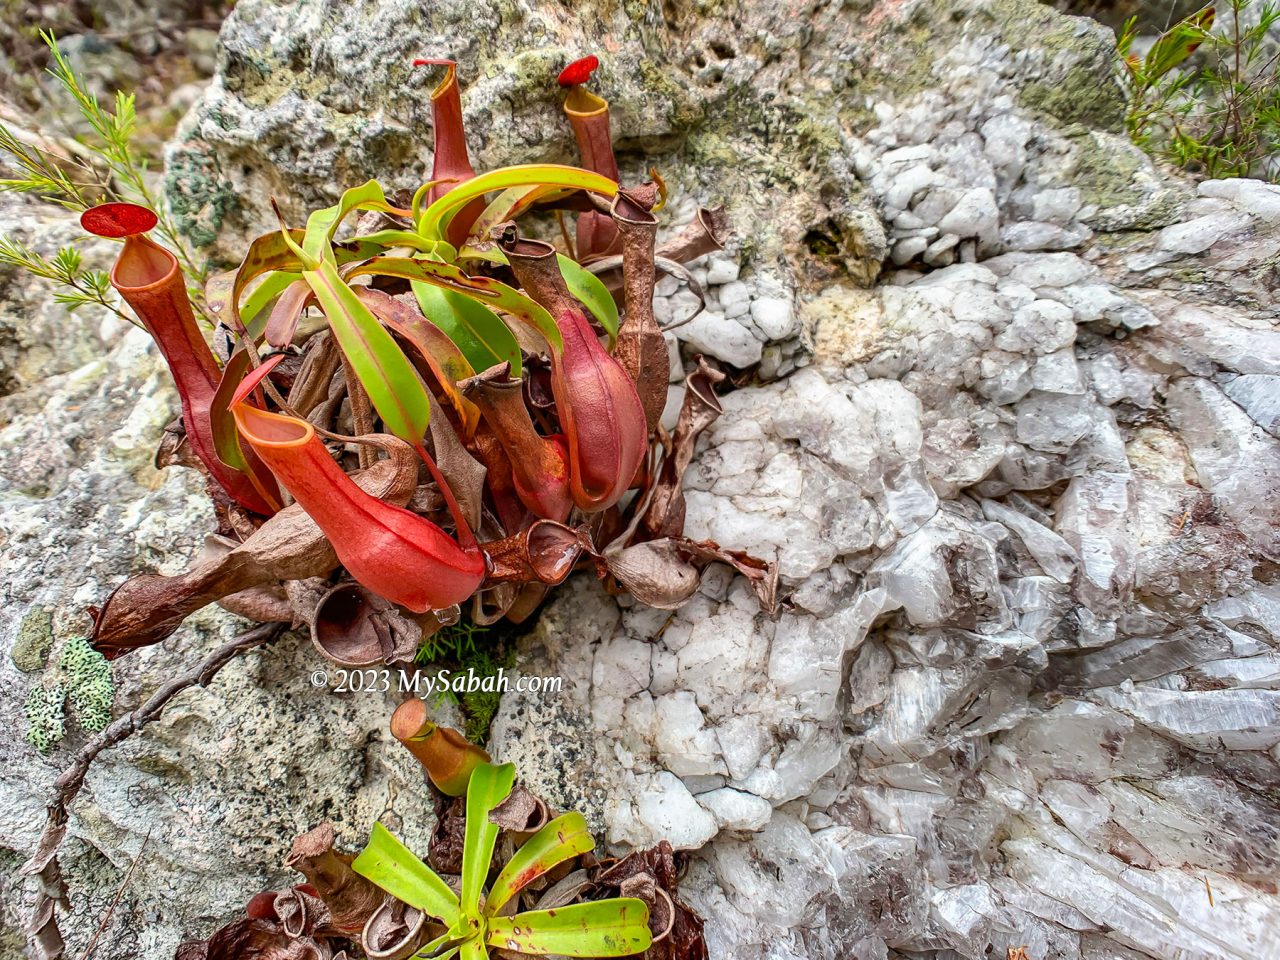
[
  {"x": 582, "y": 283},
  {"x": 254, "y": 312},
  {"x": 441, "y": 354},
  {"x": 601, "y": 928},
  {"x": 392, "y": 866},
  {"x": 435, "y": 218},
  {"x": 379, "y": 363},
  {"x": 490, "y": 785},
  {"x": 483, "y": 337},
  {"x": 407, "y": 238},
  {"x": 509, "y": 204},
  {"x": 561, "y": 839},
  {"x": 595, "y": 296},
  {"x": 322, "y": 224}
]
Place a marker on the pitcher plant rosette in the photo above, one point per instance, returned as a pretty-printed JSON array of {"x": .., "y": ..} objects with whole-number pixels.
[
  {"x": 437, "y": 415},
  {"x": 505, "y": 876}
]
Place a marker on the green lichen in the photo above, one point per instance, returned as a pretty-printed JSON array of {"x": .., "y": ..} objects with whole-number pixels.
[
  {"x": 89, "y": 686},
  {"x": 34, "y": 641},
  {"x": 200, "y": 199},
  {"x": 1077, "y": 97},
  {"x": 46, "y": 717},
  {"x": 1080, "y": 86},
  {"x": 82, "y": 676}
]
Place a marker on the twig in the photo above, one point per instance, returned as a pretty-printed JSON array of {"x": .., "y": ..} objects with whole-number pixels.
[
  {"x": 115, "y": 901},
  {"x": 43, "y": 927}
]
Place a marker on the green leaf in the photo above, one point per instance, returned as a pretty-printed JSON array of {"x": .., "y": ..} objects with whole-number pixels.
[
  {"x": 485, "y": 290},
  {"x": 226, "y": 438},
  {"x": 481, "y": 335},
  {"x": 267, "y": 253},
  {"x": 509, "y": 204},
  {"x": 473, "y": 950},
  {"x": 442, "y": 355},
  {"x": 322, "y": 224},
  {"x": 392, "y": 866},
  {"x": 379, "y": 363},
  {"x": 595, "y": 296},
  {"x": 435, "y": 218},
  {"x": 490, "y": 785},
  {"x": 407, "y": 238},
  {"x": 253, "y": 311},
  {"x": 602, "y": 928},
  {"x": 561, "y": 839}
]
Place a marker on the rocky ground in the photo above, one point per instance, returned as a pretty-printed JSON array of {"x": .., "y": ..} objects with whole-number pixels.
[{"x": 1008, "y": 415}]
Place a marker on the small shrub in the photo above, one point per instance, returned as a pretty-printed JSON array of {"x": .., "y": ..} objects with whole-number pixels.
[{"x": 1206, "y": 96}]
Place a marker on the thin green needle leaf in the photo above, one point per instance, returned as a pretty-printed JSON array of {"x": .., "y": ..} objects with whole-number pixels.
[
  {"x": 392, "y": 866},
  {"x": 602, "y": 928},
  {"x": 561, "y": 839},
  {"x": 1177, "y": 44},
  {"x": 490, "y": 785}
]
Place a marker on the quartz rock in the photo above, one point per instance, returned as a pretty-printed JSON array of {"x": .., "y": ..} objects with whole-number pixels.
[
  {"x": 735, "y": 810},
  {"x": 668, "y": 810}
]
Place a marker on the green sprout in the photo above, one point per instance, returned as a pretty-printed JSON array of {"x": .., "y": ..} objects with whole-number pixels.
[{"x": 1218, "y": 114}]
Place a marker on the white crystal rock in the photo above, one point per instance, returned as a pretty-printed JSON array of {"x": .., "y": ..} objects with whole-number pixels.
[
  {"x": 773, "y": 317},
  {"x": 667, "y": 809},
  {"x": 718, "y": 336},
  {"x": 736, "y": 810}
]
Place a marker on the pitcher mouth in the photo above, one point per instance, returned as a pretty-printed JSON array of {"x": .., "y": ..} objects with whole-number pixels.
[
  {"x": 271, "y": 429},
  {"x": 583, "y": 103},
  {"x": 143, "y": 265}
]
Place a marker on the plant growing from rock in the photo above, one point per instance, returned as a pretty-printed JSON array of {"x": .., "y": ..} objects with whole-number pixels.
[
  {"x": 436, "y": 410},
  {"x": 1219, "y": 112},
  {"x": 509, "y": 879}
]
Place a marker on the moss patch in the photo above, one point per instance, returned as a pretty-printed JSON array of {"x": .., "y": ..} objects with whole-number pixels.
[{"x": 31, "y": 647}]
